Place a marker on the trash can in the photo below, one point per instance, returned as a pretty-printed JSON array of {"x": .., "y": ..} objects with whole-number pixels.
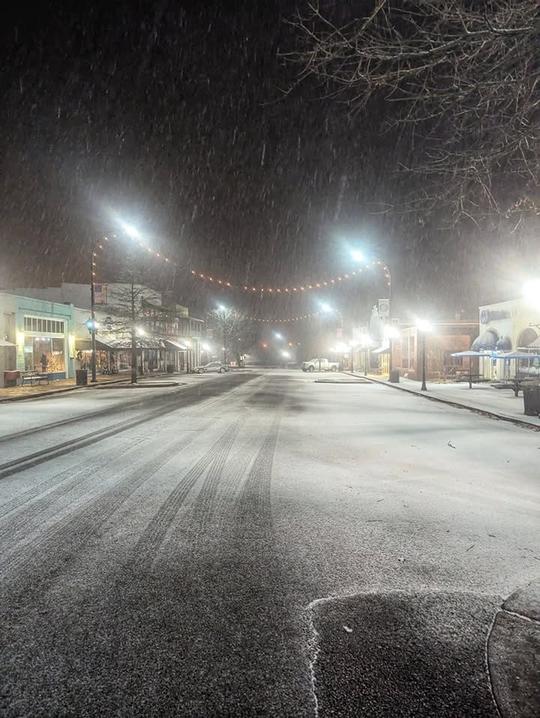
[
  {"x": 531, "y": 400},
  {"x": 81, "y": 377},
  {"x": 394, "y": 376},
  {"x": 11, "y": 378}
]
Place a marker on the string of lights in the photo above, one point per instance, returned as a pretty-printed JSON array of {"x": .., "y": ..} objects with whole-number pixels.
[
  {"x": 283, "y": 320},
  {"x": 297, "y": 288},
  {"x": 259, "y": 289}
]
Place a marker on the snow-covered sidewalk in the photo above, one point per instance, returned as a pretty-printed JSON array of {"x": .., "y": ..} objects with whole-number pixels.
[{"x": 482, "y": 397}]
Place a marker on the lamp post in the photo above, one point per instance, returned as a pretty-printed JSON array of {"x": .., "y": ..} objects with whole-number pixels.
[
  {"x": 423, "y": 327},
  {"x": 357, "y": 255},
  {"x": 95, "y": 246},
  {"x": 222, "y": 312},
  {"x": 93, "y": 318},
  {"x": 365, "y": 343},
  {"x": 390, "y": 332}
]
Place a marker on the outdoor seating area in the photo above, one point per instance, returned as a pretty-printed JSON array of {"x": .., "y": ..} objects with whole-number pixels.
[{"x": 34, "y": 377}]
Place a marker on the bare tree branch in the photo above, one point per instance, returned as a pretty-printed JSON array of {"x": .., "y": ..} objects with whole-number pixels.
[{"x": 462, "y": 74}]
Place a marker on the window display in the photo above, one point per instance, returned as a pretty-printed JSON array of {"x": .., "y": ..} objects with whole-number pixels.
[{"x": 45, "y": 354}]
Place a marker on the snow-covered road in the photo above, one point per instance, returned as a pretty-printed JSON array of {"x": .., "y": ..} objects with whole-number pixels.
[{"x": 257, "y": 544}]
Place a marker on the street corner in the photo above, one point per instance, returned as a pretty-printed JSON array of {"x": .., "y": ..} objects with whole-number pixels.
[
  {"x": 398, "y": 654},
  {"x": 513, "y": 651}
]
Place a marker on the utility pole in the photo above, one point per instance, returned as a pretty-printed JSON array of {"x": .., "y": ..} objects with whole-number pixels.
[
  {"x": 133, "y": 336},
  {"x": 423, "y": 387},
  {"x": 93, "y": 313}
]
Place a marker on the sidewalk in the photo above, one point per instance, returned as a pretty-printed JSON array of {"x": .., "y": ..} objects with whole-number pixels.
[
  {"x": 13, "y": 393},
  {"x": 499, "y": 403}
]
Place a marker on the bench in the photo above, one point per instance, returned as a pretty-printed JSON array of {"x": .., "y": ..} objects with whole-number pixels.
[
  {"x": 34, "y": 377},
  {"x": 471, "y": 378}
]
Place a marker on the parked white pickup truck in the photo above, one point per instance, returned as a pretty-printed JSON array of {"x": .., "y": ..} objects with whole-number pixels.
[{"x": 320, "y": 365}]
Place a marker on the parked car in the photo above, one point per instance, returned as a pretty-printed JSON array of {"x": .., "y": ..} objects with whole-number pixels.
[
  {"x": 319, "y": 364},
  {"x": 217, "y": 366}
]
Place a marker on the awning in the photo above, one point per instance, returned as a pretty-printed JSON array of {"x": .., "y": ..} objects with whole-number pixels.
[
  {"x": 85, "y": 345},
  {"x": 535, "y": 344},
  {"x": 381, "y": 350},
  {"x": 471, "y": 354},
  {"x": 4, "y": 343},
  {"x": 486, "y": 340},
  {"x": 142, "y": 343},
  {"x": 504, "y": 344},
  {"x": 517, "y": 355},
  {"x": 176, "y": 345}
]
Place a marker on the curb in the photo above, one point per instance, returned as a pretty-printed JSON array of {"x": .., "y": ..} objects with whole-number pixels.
[
  {"x": 457, "y": 405},
  {"x": 511, "y": 646},
  {"x": 53, "y": 392}
]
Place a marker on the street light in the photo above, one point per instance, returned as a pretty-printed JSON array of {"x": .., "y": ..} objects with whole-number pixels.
[
  {"x": 223, "y": 311},
  {"x": 365, "y": 343},
  {"x": 531, "y": 292},
  {"x": 357, "y": 255},
  {"x": 390, "y": 332},
  {"x": 352, "y": 347},
  {"x": 131, "y": 231},
  {"x": 423, "y": 326},
  {"x": 278, "y": 336}
]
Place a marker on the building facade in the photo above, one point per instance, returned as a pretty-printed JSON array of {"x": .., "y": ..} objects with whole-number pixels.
[
  {"x": 168, "y": 338},
  {"x": 42, "y": 333},
  {"x": 444, "y": 339},
  {"x": 510, "y": 326}
]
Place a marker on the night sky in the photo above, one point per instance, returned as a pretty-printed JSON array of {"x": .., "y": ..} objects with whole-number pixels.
[{"x": 174, "y": 116}]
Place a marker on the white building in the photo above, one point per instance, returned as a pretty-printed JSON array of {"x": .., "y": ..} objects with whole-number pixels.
[
  {"x": 36, "y": 335},
  {"x": 513, "y": 325}
]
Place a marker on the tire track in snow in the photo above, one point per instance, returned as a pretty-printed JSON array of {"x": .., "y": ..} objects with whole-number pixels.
[
  {"x": 36, "y": 458},
  {"x": 59, "y": 543},
  {"x": 148, "y": 545},
  {"x": 16, "y": 514}
]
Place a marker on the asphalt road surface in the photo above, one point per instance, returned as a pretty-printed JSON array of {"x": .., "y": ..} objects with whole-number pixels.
[{"x": 258, "y": 544}]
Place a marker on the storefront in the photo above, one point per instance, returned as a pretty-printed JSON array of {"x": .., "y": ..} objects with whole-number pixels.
[
  {"x": 42, "y": 333},
  {"x": 45, "y": 345},
  {"x": 509, "y": 328}
]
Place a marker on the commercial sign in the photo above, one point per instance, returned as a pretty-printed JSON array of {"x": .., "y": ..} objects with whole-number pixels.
[{"x": 384, "y": 308}]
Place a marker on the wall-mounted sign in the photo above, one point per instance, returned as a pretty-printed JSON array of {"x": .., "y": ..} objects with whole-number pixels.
[
  {"x": 492, "y": 315},
  {"x": 384, "y": 308}
]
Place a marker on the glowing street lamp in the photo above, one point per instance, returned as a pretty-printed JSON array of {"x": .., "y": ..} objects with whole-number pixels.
[
  {"x": 424, "y": 327},
  {"x": 278, "y": 336},
  {"x": 390, "y": 332},
  {"x": 531, "y": 292},
  {"x": 223, "y": 311},
  {"x": 366, "y": 342},
  {"x": 131, "y": 231},
  {"x": 357, "y": 255}
]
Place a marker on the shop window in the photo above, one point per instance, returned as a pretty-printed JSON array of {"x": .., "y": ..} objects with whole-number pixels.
[
  {"x": 43, "y": 326},
  {"x": 449, "y": 360}
]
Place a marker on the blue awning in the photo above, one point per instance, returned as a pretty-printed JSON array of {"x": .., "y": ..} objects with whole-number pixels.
[
  {"x": 504, "y": 344},
  {"x": 486, "y": 341}
]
